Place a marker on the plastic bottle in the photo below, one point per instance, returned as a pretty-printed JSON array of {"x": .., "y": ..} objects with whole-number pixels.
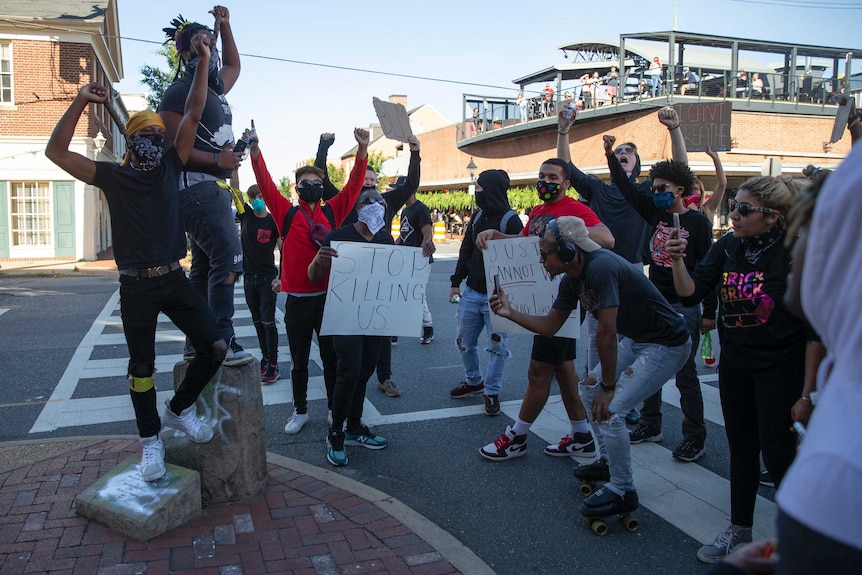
[
  {"x": 706, "y": 346},
  {"x": 455, "y": 299}
]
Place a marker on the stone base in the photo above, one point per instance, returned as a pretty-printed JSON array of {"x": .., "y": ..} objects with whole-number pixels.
[
  {"x": 124, "y": 502},
  {"x": 233, "y": 464}
]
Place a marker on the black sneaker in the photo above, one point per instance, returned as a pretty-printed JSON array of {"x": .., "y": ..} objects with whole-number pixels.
[
  {"x": 688, "y": 450},
  {"x": 270, "y": 374},
  {"x": 427, "y": 335},
  {"x": 766, "y": 479},
  {"x": 644, "y": 433},
  {"x": 578, "y": 446},
  {"x": 464, "y": 389},
  {"x": 507, "y": 446},
  {"x": 492, "y": 405},
  {"x": 236, "y": 355}
]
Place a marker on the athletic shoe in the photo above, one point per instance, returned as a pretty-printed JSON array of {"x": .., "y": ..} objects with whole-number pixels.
[
  {"x": 335, "y": 452},
  {"x": 364, "y": 437},
  {"x": 643, "y": 433},
  {"x": 189, "y": 351},
  {"x": 579, "y": 446},
  {"x": 427, "y": 335},
  {"x": 766, "y": 479},
  {"x": 464, "y": 389},
  {"x": 724, "y": 543},
  {"x": 263, "y": 365},
  {"x": 688, "y": 450},
  {"x": 153, "y": 458},
  {"x": 270, "y": 375},
  {"x": 187, "y": 422},
  {"x": 492, "y": 405},
  {"x": 394, "y": 340},
  {"x": 633, "y": 417},
  {"x": 710, "y": 361},
  {"x": 389, "y": 388},
  {"x": 507, "y": 446},
  {"x": 295, "y": 423},
  {"x": 236, "y": 355}
]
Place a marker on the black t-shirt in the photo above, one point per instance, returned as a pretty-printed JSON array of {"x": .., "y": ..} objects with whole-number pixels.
[
  {"x": 259, "y": 237},
  {"x": 413, "y": 219},
  {"x": 348, "y": 233},
  {"x": 610, "y": 281},
  {"x": 146, "y": 223},
  {"x": 214, "y": 131}
]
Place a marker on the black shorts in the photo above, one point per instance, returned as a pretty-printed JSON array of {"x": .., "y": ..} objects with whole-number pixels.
[{"x": 553, "y": 350}]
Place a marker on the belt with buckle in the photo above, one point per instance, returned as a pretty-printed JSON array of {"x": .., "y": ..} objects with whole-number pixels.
[{"x": 153, "y": 272}]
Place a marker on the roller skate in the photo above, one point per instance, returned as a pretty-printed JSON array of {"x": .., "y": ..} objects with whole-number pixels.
[
  {"x": 605, "y": 503},
  {"x": 592, "y": 473}
]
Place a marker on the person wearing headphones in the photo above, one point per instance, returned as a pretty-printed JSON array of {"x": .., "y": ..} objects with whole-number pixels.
[
  {"x": 654, "y": 346},
  {"x": 551, "y": 356}
]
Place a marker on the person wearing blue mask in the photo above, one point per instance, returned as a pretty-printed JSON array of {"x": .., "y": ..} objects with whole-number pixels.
[{"x": 259, "y": 236}]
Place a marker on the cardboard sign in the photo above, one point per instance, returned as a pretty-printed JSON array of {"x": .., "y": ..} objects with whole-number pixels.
[
  {"x": 375, "y": 289},
  {"x": 841, "y": 117},
  {"x": 704, "y": 125},
  {"x": 393, "y": 120},
  {"x": 525, "y": 282}
]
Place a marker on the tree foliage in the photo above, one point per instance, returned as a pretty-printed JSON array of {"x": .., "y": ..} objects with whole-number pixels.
[
  {"x": 284, "y": 186},
  {"x": 158, "y": 80},
  {"x": 519, "y": 199},
  {"x": 375, "y": 161},
  {"x": 336, "y": 175}
]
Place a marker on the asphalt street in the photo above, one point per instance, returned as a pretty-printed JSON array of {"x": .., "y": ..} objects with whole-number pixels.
[{"x": 63, "y": 364}]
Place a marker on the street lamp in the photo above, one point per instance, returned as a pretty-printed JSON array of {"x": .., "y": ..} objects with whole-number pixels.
[
  {"x": 472, "y": 167},
  {"x": 99, "y": 143},
  {"x": 471, "y": 190}
]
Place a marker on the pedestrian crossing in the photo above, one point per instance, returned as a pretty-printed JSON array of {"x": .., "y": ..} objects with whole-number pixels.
[{"x": 689, "y": 496}]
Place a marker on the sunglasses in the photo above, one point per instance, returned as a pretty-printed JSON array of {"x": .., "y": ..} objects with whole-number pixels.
[
  {"x": 663, "y": 188},
  {"x": 310, "y": 183},
  {"x": 624, "y": 150},
  {"x": 372, "y": 200},
  {"x": 745, "y": 209}
]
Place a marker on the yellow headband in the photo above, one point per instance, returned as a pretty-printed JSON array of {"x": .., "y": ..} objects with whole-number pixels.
[{"x": 139, "y": 121}]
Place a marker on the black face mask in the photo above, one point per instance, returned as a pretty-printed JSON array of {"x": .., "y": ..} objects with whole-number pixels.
[
  {"x": 481, "y": 200},
  {"x": 148, "y": 149},
  {"x": 310, "y": 193},
  {"x": 547, "y": 190}
]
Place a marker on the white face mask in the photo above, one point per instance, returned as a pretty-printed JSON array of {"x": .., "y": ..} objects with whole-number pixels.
[{"x": 372, "y": 216}]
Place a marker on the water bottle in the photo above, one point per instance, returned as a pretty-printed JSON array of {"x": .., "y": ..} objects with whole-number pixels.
[
  {"x": 455, "y": 299},
  {"x": 706, "y": 346}
]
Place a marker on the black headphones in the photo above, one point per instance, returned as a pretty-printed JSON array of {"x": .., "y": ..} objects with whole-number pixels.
[{"x": 566, "y": 249}]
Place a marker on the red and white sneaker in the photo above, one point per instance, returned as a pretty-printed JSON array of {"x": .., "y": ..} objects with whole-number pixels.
[
  {"x": 580, "y": 447},
  {"x": 507, "y": 446}
]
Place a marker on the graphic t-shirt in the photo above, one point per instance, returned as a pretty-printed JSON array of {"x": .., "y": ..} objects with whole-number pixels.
[
  {"x": 413, "y": 219},
  {"x": 544, "y": 213},
  {"x": 259, "y": 236}
]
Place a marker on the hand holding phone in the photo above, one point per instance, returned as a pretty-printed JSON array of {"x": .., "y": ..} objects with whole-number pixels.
[
  {"x": 677, "y": 226},
  {"x": 240, "y": 145},
  {"x": 497, "y": 284}
]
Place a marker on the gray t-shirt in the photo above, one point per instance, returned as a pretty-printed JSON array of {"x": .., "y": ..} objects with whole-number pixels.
[{"x": 610, "y": 281}]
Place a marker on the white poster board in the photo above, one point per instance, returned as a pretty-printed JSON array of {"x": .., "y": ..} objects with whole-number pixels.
[
  {"x": 375, "y": 289},
  {"x": 393, "y": 120},
  {"x": 529, "y": 288}
]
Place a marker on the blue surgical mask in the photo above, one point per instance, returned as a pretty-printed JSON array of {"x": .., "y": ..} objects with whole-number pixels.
[
  {"x": 258, "y": 205},
  {"x": 663, "y": 200}
]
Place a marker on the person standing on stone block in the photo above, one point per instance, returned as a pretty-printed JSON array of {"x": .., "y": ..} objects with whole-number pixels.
[
  {"x": 259, "y": 235},
  {"x": 149, "y": 241}
]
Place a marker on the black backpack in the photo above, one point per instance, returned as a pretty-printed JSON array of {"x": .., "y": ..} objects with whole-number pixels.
[
  {"x": 291, "y": 213},
  {"x": 504, "y": 221}
]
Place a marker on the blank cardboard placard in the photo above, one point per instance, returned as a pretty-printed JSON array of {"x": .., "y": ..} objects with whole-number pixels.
[{"x": 393, "y": 120}]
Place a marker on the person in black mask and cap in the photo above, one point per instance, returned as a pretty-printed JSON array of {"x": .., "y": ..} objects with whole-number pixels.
[
  {"x": 303, "y": 229},
  {"x": 494, "y": 213}
]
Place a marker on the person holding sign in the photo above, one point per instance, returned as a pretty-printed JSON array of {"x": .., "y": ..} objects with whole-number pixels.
[
  {"x": 551, "y": 356},
  {"x": 302, "y": 229},
  {"x": 665, "y": 211},
  {"x": 149, "y": 241},
  {"x": 473, "y": 314},
  {"x": 654, "y": 345},
  {"x": 357, "y": 354}
]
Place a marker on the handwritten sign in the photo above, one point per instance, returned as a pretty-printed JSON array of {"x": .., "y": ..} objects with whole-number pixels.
[
  {"x": 705, "y": 124},
  {"x": 375, "y": 289},
  {"x": 393, "y": 120},
  {"x": 528, "y": 287}
]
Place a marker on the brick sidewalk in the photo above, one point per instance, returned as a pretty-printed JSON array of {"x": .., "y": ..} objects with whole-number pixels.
[{"x": 300, "y": 525}]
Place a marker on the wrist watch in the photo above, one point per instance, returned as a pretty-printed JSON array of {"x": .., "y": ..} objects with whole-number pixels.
[{"x": 607, "y": 387}]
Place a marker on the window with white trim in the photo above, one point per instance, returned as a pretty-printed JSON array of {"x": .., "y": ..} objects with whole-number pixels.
[
  {"x": 6, "y": 73},
  {"x": 30, "y": 208}
]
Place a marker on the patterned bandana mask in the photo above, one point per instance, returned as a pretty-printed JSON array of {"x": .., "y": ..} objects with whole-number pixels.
[
  {"x": 148, "y": 149},
  {"x": 214, "y": 80},
  {"x": 372, "y": 216}
]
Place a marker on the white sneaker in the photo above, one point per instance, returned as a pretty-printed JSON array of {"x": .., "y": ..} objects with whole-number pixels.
[
  {"x": 153, "y": 458},
  {"x": 188, "y": 423},
  {"x": 295, "y": 423}
]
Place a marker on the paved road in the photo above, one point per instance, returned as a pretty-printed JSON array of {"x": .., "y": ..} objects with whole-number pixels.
[{"x": 63, "y": 374}]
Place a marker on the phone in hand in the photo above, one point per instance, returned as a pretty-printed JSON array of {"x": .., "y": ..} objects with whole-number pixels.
[
  {"x": 677, "y": 226},
  {"x": 497, "y": 285},
  {"x": 799, "y": 429},
  {"x": 240, "y": 145}
]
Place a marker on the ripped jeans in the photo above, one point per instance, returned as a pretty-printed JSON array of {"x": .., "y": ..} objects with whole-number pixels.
[
  {"x": 473, "y": 315},
  {"x": 642, "y": 369}
]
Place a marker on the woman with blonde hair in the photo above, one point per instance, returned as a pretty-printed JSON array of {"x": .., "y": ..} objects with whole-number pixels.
[{"x": 763, "y": 345}]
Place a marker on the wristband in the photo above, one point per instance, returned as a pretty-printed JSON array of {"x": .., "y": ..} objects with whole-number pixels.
[
  {"x": 215, "y": 159},
  {"x": 805, "y": 398},
  {"x": 562, "y": 133},
  {"x": 672, "y": 129},
  {"x": 607, "y": 387}
]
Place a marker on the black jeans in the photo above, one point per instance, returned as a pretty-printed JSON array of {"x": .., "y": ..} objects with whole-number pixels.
[
  {"x": 690, "y": 396},
  {"x": 804, "y": 551},
  {"x": 261, "y": 302},
  {"x": 141, "y": 300},
  {"x": 756, "y": 405},
  {"x": 302, "y": 318},
  {"x": 384, "y": 360},
  {"x": 357, "y": 359}
]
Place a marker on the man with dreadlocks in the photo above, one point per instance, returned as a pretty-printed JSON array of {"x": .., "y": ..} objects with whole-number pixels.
[
  {"x": 206, "y": 206},
  {"x": 148, "y": 244}
]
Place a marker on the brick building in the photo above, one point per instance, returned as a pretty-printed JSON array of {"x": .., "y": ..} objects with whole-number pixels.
[{"x": 48, "y": 50}]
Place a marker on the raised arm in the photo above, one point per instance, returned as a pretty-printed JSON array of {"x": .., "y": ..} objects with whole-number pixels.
[
  {"x": 230, "y": 69},
  {"x": 563, "y": 127},
  {"x": 712, "y": 205},
  {"x": 641, "y": 202},
  {"x": 184, "y": 141},
  {"x": 670, "y": 119},
  {"x": 326, "y": 140},
  {"x": 399, "y": 196},
  {"x": 78, "y": 166}
]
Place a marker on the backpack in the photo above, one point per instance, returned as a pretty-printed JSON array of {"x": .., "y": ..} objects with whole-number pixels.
[
  {"x": 504, "y": 221},
  {"x": 291, "y": 213}
]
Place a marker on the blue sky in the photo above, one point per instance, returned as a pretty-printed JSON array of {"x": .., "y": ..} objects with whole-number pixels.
[{"x": 488, "y": 43}]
